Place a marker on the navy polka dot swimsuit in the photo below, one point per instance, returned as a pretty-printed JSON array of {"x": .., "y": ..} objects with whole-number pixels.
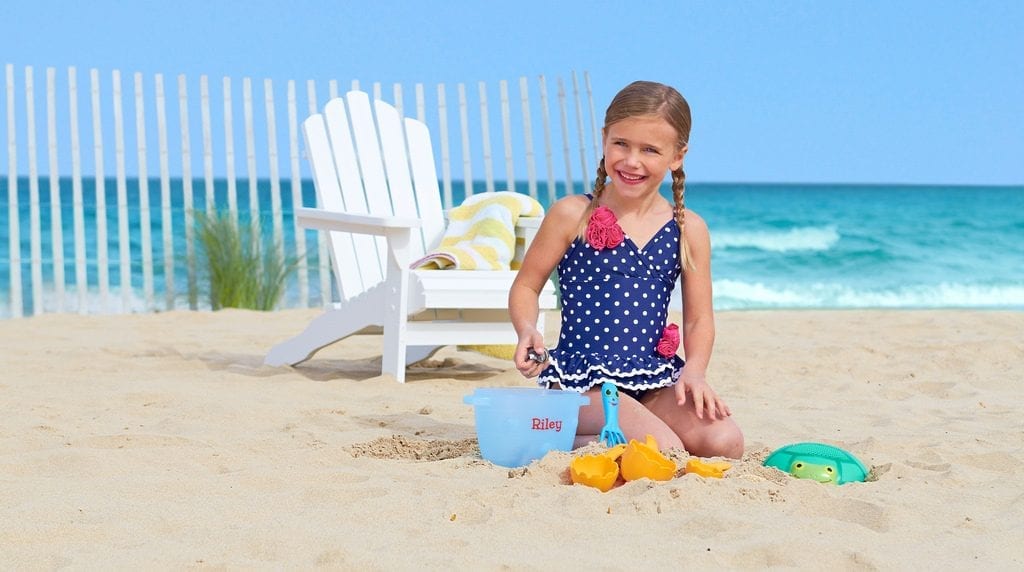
[{"x": 614, "y": 309}]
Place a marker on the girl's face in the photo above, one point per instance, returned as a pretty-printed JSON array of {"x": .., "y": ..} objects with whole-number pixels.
[{"x": 639, "y": 151}]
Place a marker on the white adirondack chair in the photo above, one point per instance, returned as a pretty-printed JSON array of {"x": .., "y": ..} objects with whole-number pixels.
[{"x": 379, "y": 200}]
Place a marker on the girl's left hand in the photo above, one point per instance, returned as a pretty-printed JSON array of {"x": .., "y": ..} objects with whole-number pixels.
[{"x": 704, "y": 398}]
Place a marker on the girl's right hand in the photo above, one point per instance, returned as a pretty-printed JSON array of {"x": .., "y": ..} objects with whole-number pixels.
[
  {"x": 531, "y": 339},
  {"x": 704, "y": 398}
]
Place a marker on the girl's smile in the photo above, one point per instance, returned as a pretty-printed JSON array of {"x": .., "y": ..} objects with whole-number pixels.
[{"x": 631, "y": 179}]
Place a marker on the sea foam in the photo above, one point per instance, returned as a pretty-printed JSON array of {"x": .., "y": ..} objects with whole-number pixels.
[
  {"x": 737, "y": 295},
  {"x": 808, "y": 238}
]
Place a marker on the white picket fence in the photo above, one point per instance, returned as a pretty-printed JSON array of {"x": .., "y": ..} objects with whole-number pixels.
[{"x": 570, "y": 151}]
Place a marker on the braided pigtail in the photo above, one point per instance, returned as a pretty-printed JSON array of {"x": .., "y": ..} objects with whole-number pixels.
[
  {"x": 679, "y": 209},
  {"x": 602, "y": 175}
]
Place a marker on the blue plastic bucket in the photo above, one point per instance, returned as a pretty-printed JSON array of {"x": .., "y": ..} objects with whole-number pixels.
[{"x": 517, "y": 425}]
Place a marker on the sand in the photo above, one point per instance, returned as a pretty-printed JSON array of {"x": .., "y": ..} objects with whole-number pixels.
[{"x": 161, "y": 442}]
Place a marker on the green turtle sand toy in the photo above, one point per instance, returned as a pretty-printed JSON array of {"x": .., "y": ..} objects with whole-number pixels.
[{"x": 819, "y": 462}]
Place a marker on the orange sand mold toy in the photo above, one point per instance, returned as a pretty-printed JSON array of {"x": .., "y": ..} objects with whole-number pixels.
[
  {"x": 643, "y": 460},
  {"x": 706, "y": 468},
  {"x": 598, "y": 471},
  {"x": 638, "y": 461}
]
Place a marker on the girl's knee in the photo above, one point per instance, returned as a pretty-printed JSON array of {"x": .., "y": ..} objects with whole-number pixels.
[
  {"x": 721, "y": 439},
  {"x": 731, "y": 443}
]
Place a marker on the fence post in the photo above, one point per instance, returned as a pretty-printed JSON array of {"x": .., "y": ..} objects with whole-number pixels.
[
  {"x": 579, "y": 129},
  {"x": 81, "y": 275},
  {"x": 598, "y": 151},
  {"x": 144, "y": 214},
  {"x": 14, "y": 237},
  {"x": 548, "y": 160},
  {"x": 56, "y": 222},
  {"x": 229, "y": 151},
  {"x": 570, "y": 188},
  {"x": 166, "y": 213},
  {"x": 506, "y": 131},
  {"x": 323, "y": 252},
  {"x": 531, "y": 168},
  {"x": 33, "y": 189},
  {"x": 187, "y": 197},
  {"x": 467, "y": 158},
  {"x": 296, "y": 184},
  {"x": 277, "y": 238},
  {"x": 485, "y": 134},
  {"x": 124, "y": 248},
  {"x": 102, "y": 248},
  {"x": 446, "y": 166}
]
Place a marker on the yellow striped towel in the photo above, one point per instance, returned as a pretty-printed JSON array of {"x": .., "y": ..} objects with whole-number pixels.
[{"x": 481, "y": 233}]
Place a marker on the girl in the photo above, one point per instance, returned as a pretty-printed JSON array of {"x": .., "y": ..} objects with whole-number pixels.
[{"x": 619, "y": 252}]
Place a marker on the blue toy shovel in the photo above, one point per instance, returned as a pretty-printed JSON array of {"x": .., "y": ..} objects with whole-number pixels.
[{"x": 611, "y": 433}]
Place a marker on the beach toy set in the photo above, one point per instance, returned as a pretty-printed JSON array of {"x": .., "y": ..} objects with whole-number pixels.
[{"x": 516, "y": 426}]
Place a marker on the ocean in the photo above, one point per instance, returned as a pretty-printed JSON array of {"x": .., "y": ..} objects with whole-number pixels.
[
  {"x": 857, "y": 246},
  {"x": 774, "y": 246}
]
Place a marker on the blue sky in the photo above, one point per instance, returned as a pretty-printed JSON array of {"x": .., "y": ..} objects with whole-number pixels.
[{"x": 859, "y": 92}]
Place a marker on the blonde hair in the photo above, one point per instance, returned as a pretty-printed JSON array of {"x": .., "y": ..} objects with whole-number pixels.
[{"x": 642, "y": 98}]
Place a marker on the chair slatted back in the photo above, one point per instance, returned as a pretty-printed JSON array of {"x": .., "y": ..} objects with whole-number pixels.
[
  {"x": 366, "y": 164},
  {"x": 329, "y": 197},
  {"x": 359, "y": 191},
  {"x": 396, "y": 165},
  {"x": 424, "y": 176}
]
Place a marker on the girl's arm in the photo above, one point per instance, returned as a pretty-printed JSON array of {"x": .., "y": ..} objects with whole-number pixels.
[
  {"x": 698, "y": 323},
  {"x": 555, "y": 234}
]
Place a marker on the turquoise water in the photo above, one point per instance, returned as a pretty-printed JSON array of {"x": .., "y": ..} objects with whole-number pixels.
[
  {"x": 847, "y": 246},
  {"x": 774, "y": 245}
]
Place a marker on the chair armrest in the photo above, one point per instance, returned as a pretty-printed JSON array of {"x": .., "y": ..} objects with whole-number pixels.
[
  {"x": 525, "y": 222},
  {"x": 526, "y": 230},
  {"x": 347, "y": 222},
  {"x": 527, "y": 227}
]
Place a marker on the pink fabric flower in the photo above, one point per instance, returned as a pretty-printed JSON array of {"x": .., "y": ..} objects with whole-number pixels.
[
  {"x": 603, "y": 230},
  {"x": 615, "y": 236},
  {"x": 603, "y": 216},
  {"x": 597, "y": 235},
  {"x": 669, "y": 342}
]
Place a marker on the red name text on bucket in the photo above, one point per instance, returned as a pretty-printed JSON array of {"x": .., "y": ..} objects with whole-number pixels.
[{"x": 546, "y": 425}]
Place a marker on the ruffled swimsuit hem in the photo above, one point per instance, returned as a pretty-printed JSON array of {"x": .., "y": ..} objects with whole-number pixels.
[{"x": 580, "y": 372}]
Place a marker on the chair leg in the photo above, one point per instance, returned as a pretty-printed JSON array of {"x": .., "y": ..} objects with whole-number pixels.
[
  {"x": 393, "y": 361},
  {"x": 324, "y": 330},
  {"x": 396, "y": 305},
  {"x": 334, "y": 324}
]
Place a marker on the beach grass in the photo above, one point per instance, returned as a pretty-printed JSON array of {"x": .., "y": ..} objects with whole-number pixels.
[{"x": 243, "y": 270}]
